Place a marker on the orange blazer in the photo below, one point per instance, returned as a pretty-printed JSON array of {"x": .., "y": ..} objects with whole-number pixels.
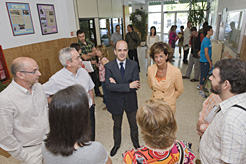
[{"x": 168, "y": 90}]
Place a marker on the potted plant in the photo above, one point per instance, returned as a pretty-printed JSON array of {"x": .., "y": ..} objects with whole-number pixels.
[
  {"x": 139, "y": 20},
  {"x": 196, "y": 12}
]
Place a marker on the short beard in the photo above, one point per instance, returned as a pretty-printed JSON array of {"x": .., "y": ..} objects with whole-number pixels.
[{"x": 217, "y": 90}]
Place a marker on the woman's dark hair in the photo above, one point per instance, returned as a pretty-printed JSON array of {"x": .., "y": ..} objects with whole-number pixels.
[
  {"x": 206, "y": 29},
  {"x": 76, "y": 46},
  {"x": 69, "y": 121},
  {"x": 159, "y": 47},
  {"x": 151, "y": 32}
]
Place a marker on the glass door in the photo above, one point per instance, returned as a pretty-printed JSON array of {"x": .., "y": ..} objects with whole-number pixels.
[
  {"x": 169, "y": 20},
  {"x": 88, "y": 26}
]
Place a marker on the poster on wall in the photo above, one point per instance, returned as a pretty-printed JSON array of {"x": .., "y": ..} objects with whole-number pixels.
[
  {"x": 20, "y": 18},
  {"x": 47, "y": 18}
]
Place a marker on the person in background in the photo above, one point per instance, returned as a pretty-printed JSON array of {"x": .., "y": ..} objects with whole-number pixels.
[
  {"x": 68, "y": 141},
  {"x": 224, "y": 140},
  {"x": 115, "y": 37},
  {"x": 173, "y": 37},
  {"x": 102, "y": 54},
  {"x": 201, "y": 31},
  {"x": 195, "y": 44},
  {"x": 24, "y": 113},
  {"x": 132, "y": 39},
  {"x": 165, "y": 80},
  {"x": 77, "y": 47},
  {"x": 181, "y": 40},
  {"x": 187, "y": 34},
  {"x": 205, "y": 58},
  {"x": 150, "y": 40},
  {"x": 158, "y": 127},
  {"x": 88, "y": 54}
]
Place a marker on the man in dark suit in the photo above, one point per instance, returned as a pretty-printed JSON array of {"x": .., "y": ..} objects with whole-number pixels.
[{"x": 122, "y": 81}]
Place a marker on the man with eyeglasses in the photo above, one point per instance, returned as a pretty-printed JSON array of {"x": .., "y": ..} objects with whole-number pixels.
[
  {"x": 24, "y": 113},
  {"x": 72, "y": 74}
]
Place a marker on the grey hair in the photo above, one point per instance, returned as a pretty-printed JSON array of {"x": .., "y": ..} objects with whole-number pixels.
[
  {"x": 65, "y": 55},
  {"x": 15, "y": 67}
]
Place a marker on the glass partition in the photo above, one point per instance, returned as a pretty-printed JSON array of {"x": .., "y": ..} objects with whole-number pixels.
[
  {"x": 233, "y": 28},
  {"x": 107, "y": 27}
]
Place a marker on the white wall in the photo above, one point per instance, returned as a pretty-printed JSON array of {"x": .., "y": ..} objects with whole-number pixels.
[
  {"x": 231, "y": 5},
  {"x": 66, "y": 23},
  {"x": 100, "y": 8}
]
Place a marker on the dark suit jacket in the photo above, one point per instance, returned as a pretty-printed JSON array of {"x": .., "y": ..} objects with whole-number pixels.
[{"x": 120, "y": 96}]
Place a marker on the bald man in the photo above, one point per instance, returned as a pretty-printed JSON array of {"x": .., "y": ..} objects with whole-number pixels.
[{"x": 23, "y": 113}]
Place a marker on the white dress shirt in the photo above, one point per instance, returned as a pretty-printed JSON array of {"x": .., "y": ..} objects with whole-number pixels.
[
  {"x": 23, "y": 119},
  {"x": 64, "y": 78}
]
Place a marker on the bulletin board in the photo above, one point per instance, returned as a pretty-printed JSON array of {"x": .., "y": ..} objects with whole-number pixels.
[
  {"x": 20, "y": 18},
  {"x": 4, "y": 73},
  {"x": 47, "y": 18}
]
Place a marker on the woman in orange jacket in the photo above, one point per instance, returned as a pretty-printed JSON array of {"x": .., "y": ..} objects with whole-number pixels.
[{"x": 164, "y": 79}]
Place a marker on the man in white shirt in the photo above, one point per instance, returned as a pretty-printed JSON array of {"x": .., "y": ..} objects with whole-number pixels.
[
  {"x": 72, "y": 74},
  {"x": 224, "y": 141},
  {"x": 24, "y": 113},
  {"x": 186, "y": 42}
]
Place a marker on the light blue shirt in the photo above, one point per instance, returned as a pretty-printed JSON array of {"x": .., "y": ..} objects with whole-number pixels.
[
  {"x": 206, "y": 43},
  {"x": 64, "y": 78}
]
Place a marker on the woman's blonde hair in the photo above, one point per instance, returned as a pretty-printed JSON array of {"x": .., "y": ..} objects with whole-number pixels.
[
  {"x": 157, "y": 123},
  {"x": 104, "y": 51}
]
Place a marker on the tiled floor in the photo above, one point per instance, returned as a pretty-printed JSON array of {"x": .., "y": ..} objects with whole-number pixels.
[{"x": 187, "y": 109}]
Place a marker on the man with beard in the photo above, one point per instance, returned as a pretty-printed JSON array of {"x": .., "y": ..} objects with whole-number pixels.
[{"x": 224, "y": 141}]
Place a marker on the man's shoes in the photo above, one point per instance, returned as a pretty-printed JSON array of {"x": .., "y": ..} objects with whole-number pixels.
[
  {"x": 194, "y": 80},
  {"x": 185, "y": 62},
  {"x": 114, "y": 150},
  {"x": 99, "y": 95},
  {"x": 185, "y": 77},
  {"x": 136, "y": 147}
]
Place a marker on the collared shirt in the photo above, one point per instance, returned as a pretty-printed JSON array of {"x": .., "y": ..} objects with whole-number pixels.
[
  {"x": 124, "y": 63},
  {"x": 86, "y": 48},
  {"x": 23, "y": 119},
  {"x": 64, "y": 78},
  {"x": 224, "y": 140},
  {"x": 115, "y": 37}
]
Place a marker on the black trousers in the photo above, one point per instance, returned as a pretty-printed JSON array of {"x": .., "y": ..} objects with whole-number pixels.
[
  {"x": 92, "y": 118},
  {"x": 186, "y": 52},
  {"x": 133, "y": 127},
  {"x": 96, "y": 81},
  {"x": 133, "y": 55}
]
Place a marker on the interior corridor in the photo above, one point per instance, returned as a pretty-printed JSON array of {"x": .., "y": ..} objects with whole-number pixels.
[{"x": 188, "y": 107}]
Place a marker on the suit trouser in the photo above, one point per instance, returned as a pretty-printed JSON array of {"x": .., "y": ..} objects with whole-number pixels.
[
  {"x": 35, "y": 153},
  {"x": 95, "y": 81},
  {"x": 193, "y": 61},
  {"x": 133, "y": 127},
  {"x": 133, "y": 55},
  {"x": 92, "y": 118},
  {"x": 186, "y": 52}
]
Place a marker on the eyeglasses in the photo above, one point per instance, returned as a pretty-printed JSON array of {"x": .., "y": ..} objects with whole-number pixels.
[{"x": 32, "y": 72}]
